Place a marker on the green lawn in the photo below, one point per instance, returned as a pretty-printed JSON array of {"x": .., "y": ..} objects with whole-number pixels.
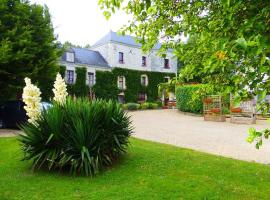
[{"x": 148, "y": 171}]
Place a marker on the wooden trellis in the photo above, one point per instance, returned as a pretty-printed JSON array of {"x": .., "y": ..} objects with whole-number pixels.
[
  {"x": 212, "y": 108},
  {"x": 243, "y": 113}
]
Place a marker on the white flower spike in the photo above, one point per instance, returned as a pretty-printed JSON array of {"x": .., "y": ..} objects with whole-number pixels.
[
  {"x": 60, "y": 90},
  {"x": 31, "y": 98}
]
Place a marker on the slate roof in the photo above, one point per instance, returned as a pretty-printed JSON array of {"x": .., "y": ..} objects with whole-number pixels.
[
  {"x": 126, "y": 39},
  {"x": 87, "y": 56}
]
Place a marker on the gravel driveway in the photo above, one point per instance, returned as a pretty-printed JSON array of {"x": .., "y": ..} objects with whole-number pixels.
[{"x": 220, "y": 138}]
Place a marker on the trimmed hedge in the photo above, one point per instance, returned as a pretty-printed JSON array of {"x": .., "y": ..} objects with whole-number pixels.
[
  {"x": 149, "y": 105},
  {"x": 143, "y": 106},
  {"x": 106, "y": 84},
  {"x": 187, "y": 100},
  {"x": 131, "y": 106}
]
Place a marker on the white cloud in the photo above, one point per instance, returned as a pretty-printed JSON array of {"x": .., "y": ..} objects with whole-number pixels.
[{"x": 81, "y": 22}]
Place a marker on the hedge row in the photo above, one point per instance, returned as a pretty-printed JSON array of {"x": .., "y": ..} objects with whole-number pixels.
[
  {"x": 106, "y": 84},
  {"x": 143, "y": 106},
  {"x": 187, "y": 100}
]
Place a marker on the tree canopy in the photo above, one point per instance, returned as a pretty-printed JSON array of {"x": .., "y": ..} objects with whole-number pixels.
[
  {"x": 228, "y": 43},
  {"x": 228, "y": 47},
  {"x": 28, "y": 48}
]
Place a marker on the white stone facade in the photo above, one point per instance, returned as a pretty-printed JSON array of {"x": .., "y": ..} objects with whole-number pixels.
[
  {"x": 133, "y": 57},
  {"x": 115, "y": 51},
  {"x": 92, "y": 69}
]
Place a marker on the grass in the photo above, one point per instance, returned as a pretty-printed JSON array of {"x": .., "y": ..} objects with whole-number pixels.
[{"x": 149, "y": 171}]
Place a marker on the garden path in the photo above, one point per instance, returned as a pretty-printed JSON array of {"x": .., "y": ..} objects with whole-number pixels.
[
  {"x": 220, "y": 138},
  {"x": 8, "y": 132}
]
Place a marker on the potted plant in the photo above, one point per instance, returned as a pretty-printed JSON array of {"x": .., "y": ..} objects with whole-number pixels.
[
  {"x": 208, "y": 100},
  {"x": 236, "y": 110},
  {"x": 215, "y": 110}
]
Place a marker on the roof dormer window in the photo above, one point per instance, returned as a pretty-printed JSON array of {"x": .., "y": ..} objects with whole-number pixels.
[{"x": 69, "y": 57}]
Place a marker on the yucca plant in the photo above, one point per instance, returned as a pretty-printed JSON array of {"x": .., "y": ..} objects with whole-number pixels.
[{"x": 80, "y": 136}]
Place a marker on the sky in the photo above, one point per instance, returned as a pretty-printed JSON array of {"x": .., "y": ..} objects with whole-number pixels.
[{"x": 81, "y": 22}]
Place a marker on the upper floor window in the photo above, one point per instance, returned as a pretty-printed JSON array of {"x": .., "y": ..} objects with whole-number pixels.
[
  {"x": 91, "y": 78},
  {"x": 121, "y": 82},
  {"x": 121, "y": 57},
  {"x": 70, "y": 57},
  {"x": 70, "y": 77},
  {"x": 144, "y": 80},
  {"x": 166, "y": 63},
  {"x": 143, "y": 61}
]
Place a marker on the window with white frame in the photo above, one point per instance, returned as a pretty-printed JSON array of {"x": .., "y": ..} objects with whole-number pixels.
[
  {"x": 70, "y": 76},
  {"x": 142, "y": 97},
  {"x": 91, "y": 78},
  {"x": 121, "y": 57},
  {"x": 166, "y": 79},
  {"x": 121, "y": 82},
  {"x": 144, "y": 80},
  {"x": 69, "y": 57}
]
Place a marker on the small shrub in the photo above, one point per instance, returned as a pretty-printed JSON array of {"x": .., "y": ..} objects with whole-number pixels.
[
  {"x": 132, "y": 106},
  {"x": 160, "y": 104},
  {"x": 80, "y": 136},
  {"x": 145, "y": 105},
  {"x": 153, "y": 106},
  {"x": 187, "y": 100},
  {"x": 124, "y": 106},
  {"x": 149, "y": 105},
  {"x": 225, "y": 110}
]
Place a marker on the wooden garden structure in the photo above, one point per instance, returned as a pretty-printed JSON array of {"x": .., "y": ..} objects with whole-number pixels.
[
  {"x": 243, "y": 113},
  {"x": 212, "y": 108}
]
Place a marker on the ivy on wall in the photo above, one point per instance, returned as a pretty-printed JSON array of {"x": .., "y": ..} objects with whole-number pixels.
[
  {"x": 106, "y": 84},
  {"x": 62, "y": 70},
  {"x": 79, "y": 89}
]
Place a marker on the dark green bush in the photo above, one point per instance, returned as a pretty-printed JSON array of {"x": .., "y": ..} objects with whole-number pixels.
[
  {"x": 188, "y": 100},
  {"x": 145, "y": 105},
  {"x": 153, "y": 106},
  {"x": 81, "y": 136},
  {"x": 149, "y": 105},
  {"x": 132, "y": 106},
  {"x": 160, "y": 104}
]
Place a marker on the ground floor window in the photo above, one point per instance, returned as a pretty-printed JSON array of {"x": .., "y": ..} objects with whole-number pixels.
[
  {"x": 142, "y": 96},
  {"x": 121, "y": 82},
  {"x": 121, "y": 98},
  {"x": 166, "y": 79},
  {"x": 91, "y": 79},
  {"x": 144, "y": 80},
  {"x": 70, "y": 77}
]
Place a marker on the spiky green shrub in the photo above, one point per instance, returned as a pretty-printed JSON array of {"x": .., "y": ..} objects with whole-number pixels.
[{"x": 81, "y": 136}]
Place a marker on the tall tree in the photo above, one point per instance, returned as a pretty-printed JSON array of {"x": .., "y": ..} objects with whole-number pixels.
[
  {"x": 229, "y": 46},
  {"x": 28, "y": 48}
]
